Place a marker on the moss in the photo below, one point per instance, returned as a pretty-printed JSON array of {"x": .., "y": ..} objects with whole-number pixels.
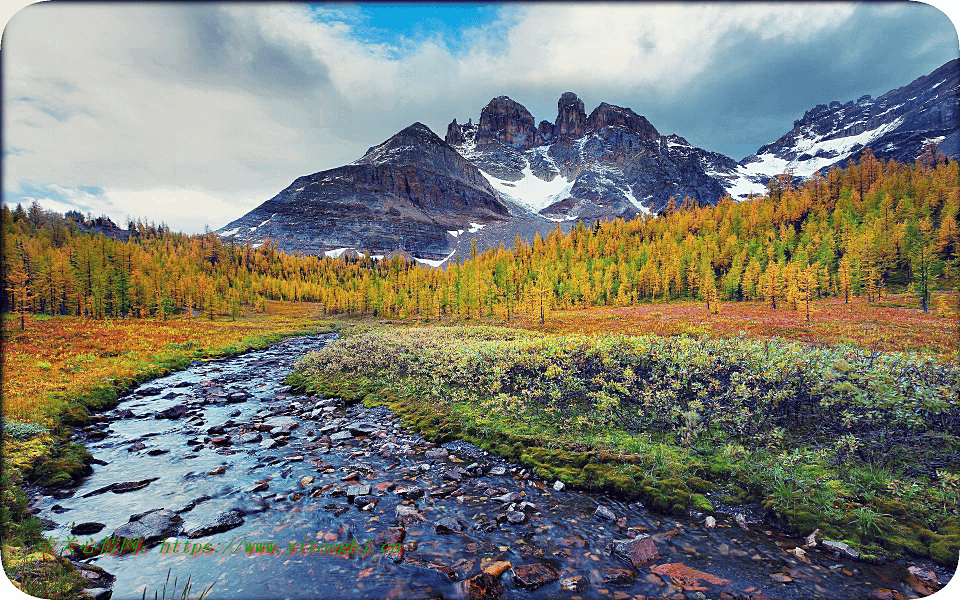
[
  {"x": 945, "y": 551},
  {"x": 701, "y": 503},
  {"x": 69, "y": 463}
]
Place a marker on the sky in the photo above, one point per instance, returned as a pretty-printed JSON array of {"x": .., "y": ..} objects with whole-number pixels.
[{"x": 193, "y": 114}]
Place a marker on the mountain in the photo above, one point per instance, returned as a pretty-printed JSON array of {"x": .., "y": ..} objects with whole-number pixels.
[
  {"x": 507, "y": 175},
  {"x": 898, "y": 125},
  {"x": 612, "y": 163},
  {"x": 403, "y": 195}
]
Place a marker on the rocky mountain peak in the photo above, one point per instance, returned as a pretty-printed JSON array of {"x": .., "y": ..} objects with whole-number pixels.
[
  {"x": 507, "y": 122},
  {"x": 571, "y": 117},
  {"x": 608, "y": 115}
]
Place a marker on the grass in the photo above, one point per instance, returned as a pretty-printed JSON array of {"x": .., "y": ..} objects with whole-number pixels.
[
  {"x": 60, "y": 368},
  {"x": 685, "y": 423}
]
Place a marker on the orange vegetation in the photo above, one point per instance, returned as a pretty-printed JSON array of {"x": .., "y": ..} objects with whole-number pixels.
[
  {"x": 61, "y": 356},
  {"x": 889, "y": 325}
]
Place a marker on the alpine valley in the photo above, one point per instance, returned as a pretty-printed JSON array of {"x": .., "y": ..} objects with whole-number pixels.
[{"x": 431, "y": 198}]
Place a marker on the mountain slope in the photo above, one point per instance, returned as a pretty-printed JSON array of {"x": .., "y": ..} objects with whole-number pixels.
[
  {"x": 898, "y": 125},
  {"x": 402, "y": 195}
]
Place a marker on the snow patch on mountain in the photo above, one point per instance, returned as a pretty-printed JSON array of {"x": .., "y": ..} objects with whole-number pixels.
[
  {"x": 811, "y": 153},
  {"x": 531, "y": 191}
]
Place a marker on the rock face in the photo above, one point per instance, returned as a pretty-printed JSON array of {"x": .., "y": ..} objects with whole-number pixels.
[
  {"x": 507, "y": 122},
  {"x": 424, "y": 197},
  {"x": 401, "y": 196}
]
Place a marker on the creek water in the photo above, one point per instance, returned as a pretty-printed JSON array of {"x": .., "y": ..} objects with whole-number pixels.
[{"x": 244, "y": 484}]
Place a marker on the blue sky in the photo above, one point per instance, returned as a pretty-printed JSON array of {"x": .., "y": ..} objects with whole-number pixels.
[{"x": 194, "y": 113}]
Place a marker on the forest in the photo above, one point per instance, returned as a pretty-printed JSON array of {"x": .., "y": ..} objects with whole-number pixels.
[{"x": 857, "y": 231}]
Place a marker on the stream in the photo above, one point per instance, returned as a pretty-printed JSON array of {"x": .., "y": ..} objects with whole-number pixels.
[{"x": 224, "y": 455}]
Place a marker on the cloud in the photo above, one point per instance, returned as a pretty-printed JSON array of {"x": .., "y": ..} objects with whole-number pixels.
[{"x": 221, "y": 106}]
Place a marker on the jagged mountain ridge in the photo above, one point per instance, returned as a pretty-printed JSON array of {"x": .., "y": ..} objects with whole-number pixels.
[
  {"x": 612, "y": 163},
  {"x": 507, "y": 175}
]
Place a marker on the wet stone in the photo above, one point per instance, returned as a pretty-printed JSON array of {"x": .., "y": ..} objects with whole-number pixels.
[
  {"x": 250, "y": 438},
  {"x": 87, "y": 528},
  {"x": 408, "y": 514},
  {"x": 449, "y": 525},
  {"x": 533, "y": 576},
  {"x": 341, "y": 436},
  {"x": 574, "y": 583},
  {"x": 152, "y": 527},
  {"x": 222, "y": 522},
  {"x": 174, "y": 412},
  {"x": 605, "y": 513},
  {"x": 131, "y": 486},
  {"x": 136, "y": 446},
  {"x": 482, "y": 586},
  {"x": 613, "y": 576},
  {"x": 840, "y": 549},
  {"x": 638, "y": 551},
  {"x": 357, "y": 490}
]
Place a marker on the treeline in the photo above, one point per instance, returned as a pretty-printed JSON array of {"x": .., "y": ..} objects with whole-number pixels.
[{"x": 856, "y": 231}]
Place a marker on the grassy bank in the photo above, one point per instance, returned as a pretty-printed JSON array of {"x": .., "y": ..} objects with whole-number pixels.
[
  {"x": 862, "y": 445},
  {"x": 60, "y": 369}
]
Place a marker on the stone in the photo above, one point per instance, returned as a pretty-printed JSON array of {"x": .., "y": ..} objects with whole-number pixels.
[
  {"x": 533, "y": 576},
  {"x": 406, "y": 514},
  {"x": 152, "y": 527},
  {"x": 408, "y": 492},
  {"x": 639, "y": 551},
  {"x": 136, "y": 446},
  {"x": 516, "y": 517},
  {"x": 269, "y": 444},
  {"x": 220, "y": 441},
  {"x": 87, "y": 528},
  {"x": 686, "y": 577},
  {"x": 508, "y": 497},
  {"x": 482, "y": 586},
  {"x": 741, "y": 521},
  {"x": 218, "y": 471},
  {"x": 710, "y": 522},
  {"x": 615, "y": 576},
  {"x": 174, "y": 412},
  {"x": 359, "y": 428},
  {"x": 341, "y": 436},
  {"x": 250, "y": 438},
  {"x": 498, "y": 471},
  {"x": 574, "y": 583},
  {"x": 221, "y": 522},
  {"x": 813, "y": 539},
  {"x": 282, "y": 422},
  {"x": 131, "y": 486},
  {"x": 558, "y": 486},
  {"x": 436, "y": 453},
  {"x": 357, "y": 490},
  {"x": 841, "y": 549},
  {"x": 449, "y": 525},
  {"x": 605, "y": 513},
  {"x": 307, "y": 480},
  {"x": 781, "y": 577}
]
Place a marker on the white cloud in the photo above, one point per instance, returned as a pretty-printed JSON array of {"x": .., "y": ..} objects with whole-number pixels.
[{"x": 222, "y": 106}]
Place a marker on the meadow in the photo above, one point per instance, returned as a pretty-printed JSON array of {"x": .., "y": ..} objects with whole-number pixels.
[{"x": 858, "y": 442}]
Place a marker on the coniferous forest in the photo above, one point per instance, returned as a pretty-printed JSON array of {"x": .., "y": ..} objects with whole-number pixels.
[{"x": 857, "y": 231}]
